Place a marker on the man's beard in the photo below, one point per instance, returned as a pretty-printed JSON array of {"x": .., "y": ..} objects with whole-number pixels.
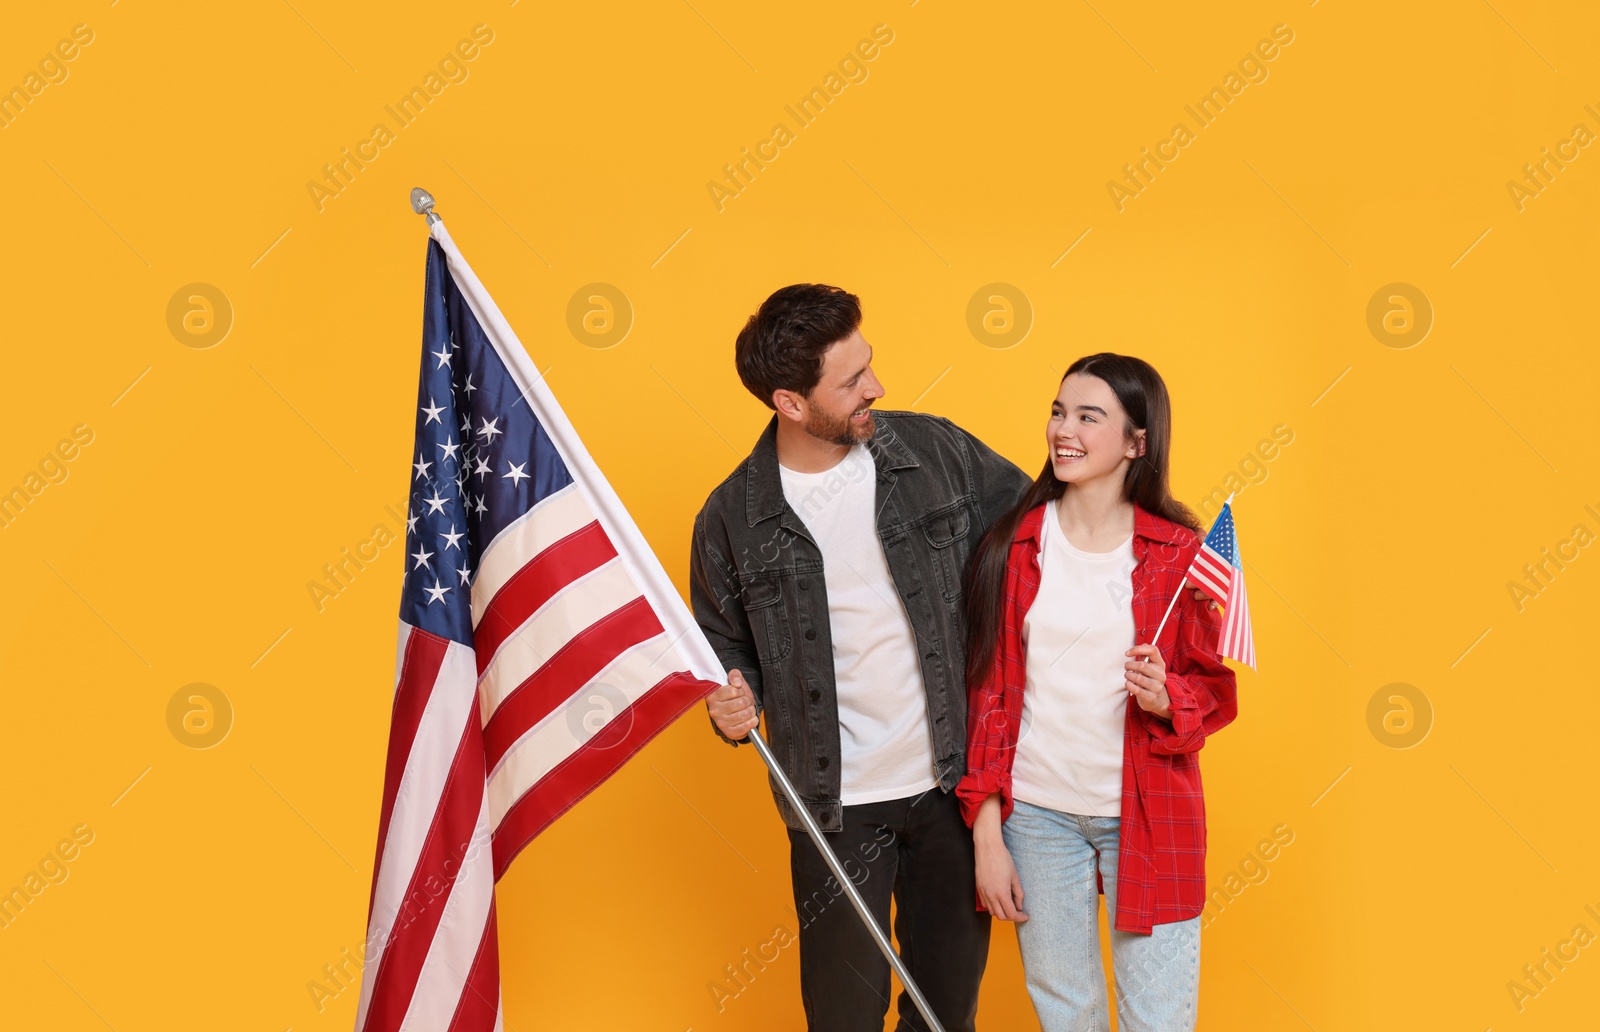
[{"x": 839, "y": 430}]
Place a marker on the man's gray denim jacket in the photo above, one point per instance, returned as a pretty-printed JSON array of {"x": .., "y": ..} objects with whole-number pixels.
[{"x": 757, "y": 589}]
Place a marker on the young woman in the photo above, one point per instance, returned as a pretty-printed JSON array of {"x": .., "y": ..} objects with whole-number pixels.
[{"x": 1083, "y": 736}]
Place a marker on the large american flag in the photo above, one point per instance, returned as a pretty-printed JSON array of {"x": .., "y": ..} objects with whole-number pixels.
[
  {"x": 1219, "y": 572},
  {"x": 541, "y": 645}
]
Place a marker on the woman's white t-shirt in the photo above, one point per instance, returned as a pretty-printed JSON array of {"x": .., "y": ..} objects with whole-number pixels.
[{"x": 1069, "y": 750}]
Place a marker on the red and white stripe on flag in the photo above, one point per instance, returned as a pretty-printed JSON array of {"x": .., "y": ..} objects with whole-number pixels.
[
  {"x": 1238, "y": 640},
  {"x": 575, "y": 670},
  {"x": 1223, "y": 581},
  {"x": 431, "y": 958},
  {"x": 1212, "y": 572}
]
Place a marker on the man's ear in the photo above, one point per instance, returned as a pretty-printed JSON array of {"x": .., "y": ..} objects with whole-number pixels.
[{"x": 789, "y": 405}]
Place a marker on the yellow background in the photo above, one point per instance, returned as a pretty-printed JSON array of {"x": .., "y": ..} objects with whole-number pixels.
[{"x": 1381, "y": 542}]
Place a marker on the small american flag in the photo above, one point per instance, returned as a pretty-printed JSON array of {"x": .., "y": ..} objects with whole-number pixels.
[
  {"x": 1218, "y": 571},
  {"x": 541, "y": 646}
]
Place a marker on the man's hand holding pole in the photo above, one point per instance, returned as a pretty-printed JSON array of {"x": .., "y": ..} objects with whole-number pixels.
[{"x": 733, "y": 707}]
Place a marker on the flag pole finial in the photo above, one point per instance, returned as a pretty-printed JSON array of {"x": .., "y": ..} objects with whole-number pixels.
[{"x": 422, "y": 204}]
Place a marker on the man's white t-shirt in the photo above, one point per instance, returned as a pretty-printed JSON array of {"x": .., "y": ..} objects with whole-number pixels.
[
  {"x": 885, "y": 743},
  {"x": 1074, "y": 703}
]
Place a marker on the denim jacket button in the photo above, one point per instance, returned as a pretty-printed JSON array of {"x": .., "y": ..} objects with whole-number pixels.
[
  {"x": 811, "y": 634},
  {"x": 804, "y": 584},
  {"x": 815, "y": 695},
  {"x": 822, "y": 762}
]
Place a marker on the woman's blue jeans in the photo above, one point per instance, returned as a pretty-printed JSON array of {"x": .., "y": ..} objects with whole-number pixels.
[{"x": 1157, "y": 975}]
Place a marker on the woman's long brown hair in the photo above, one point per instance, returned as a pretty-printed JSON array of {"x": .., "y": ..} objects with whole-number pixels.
[{"x": 1143, "y": 396}]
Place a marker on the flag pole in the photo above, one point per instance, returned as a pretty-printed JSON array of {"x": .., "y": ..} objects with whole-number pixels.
[
  {"x": 839, "y": 874},
  {"x": 422, "y": 204}
]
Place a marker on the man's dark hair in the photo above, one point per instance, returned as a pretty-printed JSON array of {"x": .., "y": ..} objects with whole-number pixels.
[{"x": 781, "y": 346}]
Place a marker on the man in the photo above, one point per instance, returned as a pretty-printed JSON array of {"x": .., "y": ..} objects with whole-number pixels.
[{"x": 826, "y": 571}]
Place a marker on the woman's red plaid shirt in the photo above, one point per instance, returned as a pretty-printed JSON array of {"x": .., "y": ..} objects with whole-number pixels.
[{"x": 1161, "y": 870}]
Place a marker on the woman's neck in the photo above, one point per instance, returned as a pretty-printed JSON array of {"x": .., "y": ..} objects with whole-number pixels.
[{"x": 1095, "y": 516}]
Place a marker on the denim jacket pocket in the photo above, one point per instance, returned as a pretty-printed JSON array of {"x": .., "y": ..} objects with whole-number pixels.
[
  {"x": 760, "y": 598},
  {"x": 945, "y": 532}
]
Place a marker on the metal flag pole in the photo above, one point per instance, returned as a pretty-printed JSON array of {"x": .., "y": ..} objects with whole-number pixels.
[
  {"x": 839, "y": 874},
  {"x": 422, "y": 203}
]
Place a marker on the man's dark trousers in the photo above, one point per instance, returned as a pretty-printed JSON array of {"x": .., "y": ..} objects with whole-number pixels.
[{"x": 919, "y": 850}]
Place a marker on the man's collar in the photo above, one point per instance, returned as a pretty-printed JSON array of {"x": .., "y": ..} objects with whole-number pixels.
[{"x": 763, "y": 491}]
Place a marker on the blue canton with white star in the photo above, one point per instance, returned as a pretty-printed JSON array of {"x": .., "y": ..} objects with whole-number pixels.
[
  {"x": 481, "y": 460},
  {"x": 1222, "y": 539}
]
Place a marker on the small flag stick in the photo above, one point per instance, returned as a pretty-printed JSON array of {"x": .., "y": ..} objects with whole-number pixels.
[{"x": 1157, "y": 636}]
